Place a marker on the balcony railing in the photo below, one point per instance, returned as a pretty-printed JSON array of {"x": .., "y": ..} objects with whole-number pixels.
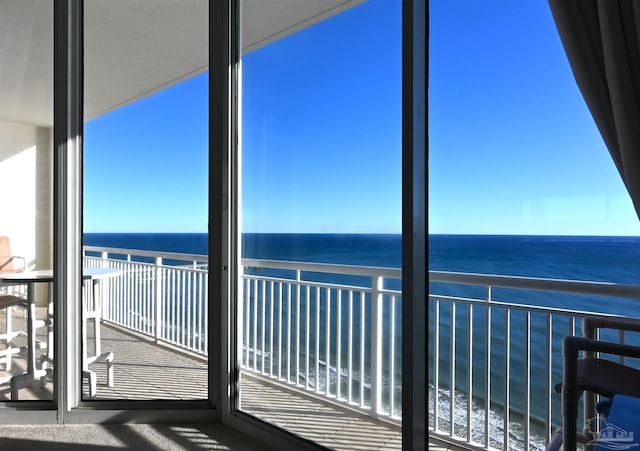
[
  {"x": 162, "y": 295},
  {"x": 494, "y": 358},
  {"x": 334, "y": 330},
  {"x": 330, "y": 329}
]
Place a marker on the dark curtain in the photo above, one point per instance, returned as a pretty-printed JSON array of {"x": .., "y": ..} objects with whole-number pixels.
[{"x": 602, "y": 43}]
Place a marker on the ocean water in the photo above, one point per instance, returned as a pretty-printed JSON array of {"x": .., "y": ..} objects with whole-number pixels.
[
  {"x": 383, "y": 250},
  {"x": 605, "y": 259},
  {"x": 597, "y": 258},
  {"x": 188, "y": 243}
]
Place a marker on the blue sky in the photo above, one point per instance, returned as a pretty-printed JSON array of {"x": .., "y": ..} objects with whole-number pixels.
[
  {"x": 146, "y": 164},
  {"x": 512, "y": 146},
  {"x": 321, "y": 139}
]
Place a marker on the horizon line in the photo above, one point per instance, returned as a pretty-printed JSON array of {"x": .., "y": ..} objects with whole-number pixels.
[
  {"x": 264, "y": 233},
  {"x": 536, "y": 234}
]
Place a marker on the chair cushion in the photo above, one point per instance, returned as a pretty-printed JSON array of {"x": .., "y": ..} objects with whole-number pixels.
[{"x": 621, "y": 429}]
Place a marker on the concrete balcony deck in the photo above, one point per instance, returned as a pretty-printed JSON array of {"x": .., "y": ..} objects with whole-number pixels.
[
  {"x": 144, "y": 370},
  {"x": 141, "y": 372}
]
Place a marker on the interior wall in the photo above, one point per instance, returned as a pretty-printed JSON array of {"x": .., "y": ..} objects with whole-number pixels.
[{"x": 26, "y": 197}]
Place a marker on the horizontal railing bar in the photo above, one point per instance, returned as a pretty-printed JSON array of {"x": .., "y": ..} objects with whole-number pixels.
[
  {"x": 539, "y": 284},
  {"x": 309, "y": 283},
  {"x": 145, "y": 253},
  {"x": 393, "y": 273},
  {"x": 525, "y": 307},
  {"x": 517, "y": 282},
  {"x": 189, "y": 269}
]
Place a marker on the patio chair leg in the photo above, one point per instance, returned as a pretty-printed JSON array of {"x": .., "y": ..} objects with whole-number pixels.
[
  {"x": 15, "y": 386},
  {"x": 8, "y": 335},
  {"x": 44, "y": 379}
]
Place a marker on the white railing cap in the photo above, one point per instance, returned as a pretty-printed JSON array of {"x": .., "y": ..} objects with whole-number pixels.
[
  {"x": 351, "y": 270},
  {"x": 144, "y": 253},
  {"x": 541, "y": 284}
]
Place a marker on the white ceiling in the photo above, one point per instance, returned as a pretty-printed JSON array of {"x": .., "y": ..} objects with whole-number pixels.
[{"x": 132, "y": 48}]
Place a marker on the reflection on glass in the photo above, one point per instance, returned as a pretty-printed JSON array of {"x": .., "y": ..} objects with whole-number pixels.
[
  {"x": 145, "y": 200},
  {"x": 26, "y": 122},
  {"x": 319, "y": 311}
]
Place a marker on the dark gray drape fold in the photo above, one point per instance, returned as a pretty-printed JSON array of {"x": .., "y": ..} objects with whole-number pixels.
[{"x": 602, "y": 43}]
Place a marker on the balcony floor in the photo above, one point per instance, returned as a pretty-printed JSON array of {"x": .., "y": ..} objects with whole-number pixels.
[
  {"x": 144, "y": 370},
  {"x": 141, "y": 369},
  {"x": 316, "y": 419}
]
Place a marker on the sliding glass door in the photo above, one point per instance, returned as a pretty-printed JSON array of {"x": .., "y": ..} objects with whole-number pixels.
[
  {"x": 319, "y": 290},
  {"x": 145, "y": 294}
]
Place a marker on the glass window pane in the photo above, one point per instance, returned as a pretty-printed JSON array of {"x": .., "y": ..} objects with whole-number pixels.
[
  {"x": 521, "y": 184},
  {"x": 26, "y": 168},
  {"x": 319, "y": 311},
  {"x": 146, "y": 199}
]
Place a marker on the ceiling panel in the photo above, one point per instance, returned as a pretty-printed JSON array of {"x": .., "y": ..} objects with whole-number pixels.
[{"x": 132, "y": 48}]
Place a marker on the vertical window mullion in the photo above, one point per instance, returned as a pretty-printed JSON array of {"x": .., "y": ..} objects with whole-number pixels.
[
  {"x": 414, "y": 230},
  {"x": 67, "y": 243}
]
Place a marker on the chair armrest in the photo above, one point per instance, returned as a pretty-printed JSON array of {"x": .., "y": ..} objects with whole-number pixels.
[
  {"x": 591, "y": 325},
  {"x": 573, "y": 345}
]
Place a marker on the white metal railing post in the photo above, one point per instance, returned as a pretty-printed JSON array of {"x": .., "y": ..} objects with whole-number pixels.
[
  {"x": 487, "y": 386},
  {"x": 240, "y": 305},
  {"x": 376, "y": 345},
  {"x": 104, "y": 263},
  {"x": 298, "y": 278},
  {"x": 158, "y": 310}
]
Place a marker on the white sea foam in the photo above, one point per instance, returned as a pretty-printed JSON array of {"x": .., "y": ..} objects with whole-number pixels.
[
  {"x": 460, "y": 427},
  {"x": 319, "y": 383}
]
